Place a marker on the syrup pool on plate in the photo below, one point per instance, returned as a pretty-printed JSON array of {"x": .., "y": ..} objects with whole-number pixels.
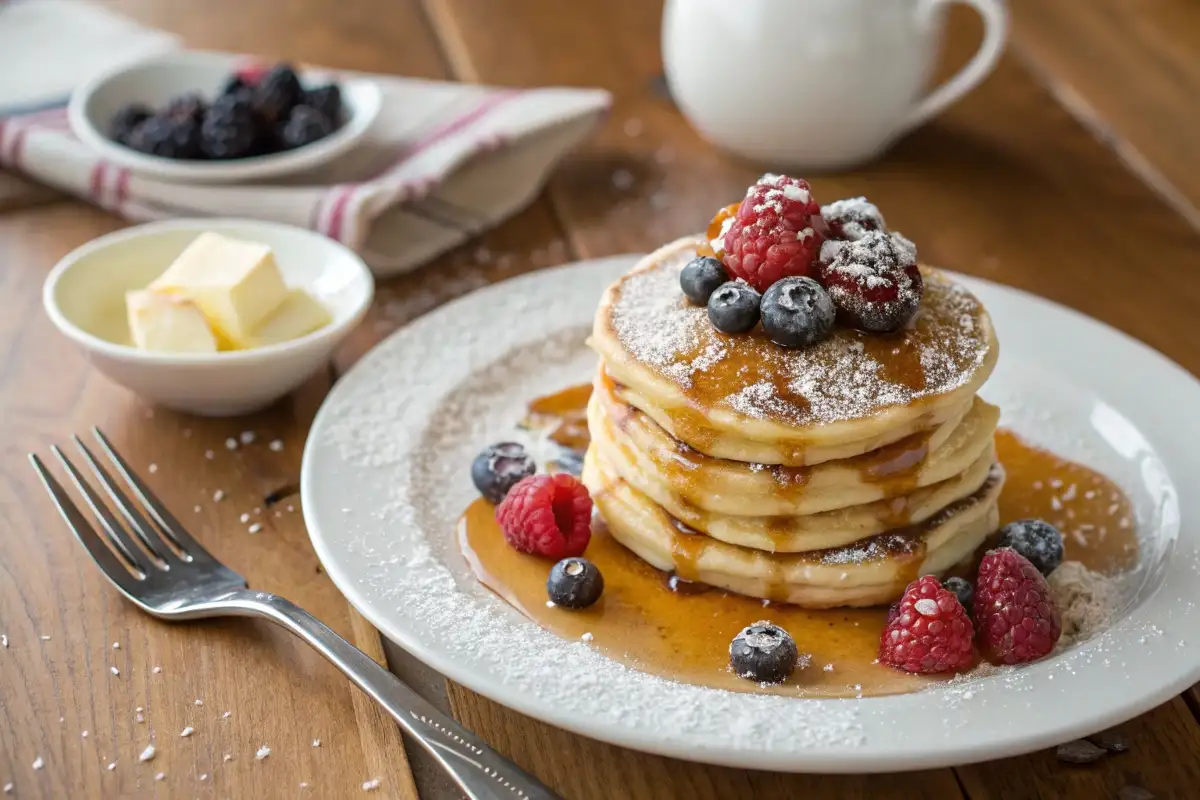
[{"x": 657, "y": 623}]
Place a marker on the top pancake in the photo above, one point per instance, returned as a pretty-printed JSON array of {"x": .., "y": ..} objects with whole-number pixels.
[{"x": 745, "y": 398}]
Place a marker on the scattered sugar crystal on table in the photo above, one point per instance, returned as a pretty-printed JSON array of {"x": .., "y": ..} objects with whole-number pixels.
[
  {"x": 38, "y": 763},
  {"x": 316, "y": 743},
  {"x": 147, "y": 754},
  {"x": 157, "y": 670},
  {"x": 153, "y": 468},
  {"x": 44, "y": 638},
  {"x": 210, "y": 455},
  {"x": 226, "y": 758},
  {"x": 231, "y": 443},
  {"x": 247, "y": 437},
  {"x": 112, "y": 765},
  {"x": 158, "y": 776},
  {"x": 218, "y": 495},
  {"x": 276, "y": 445},
  {"x": 262, "y": 753},
  {"x": 115, "y": 671},
  {"x": 255, "y": 528},
  {"x": 188, "y": 731},
  {"x": 371, "y": 785}
]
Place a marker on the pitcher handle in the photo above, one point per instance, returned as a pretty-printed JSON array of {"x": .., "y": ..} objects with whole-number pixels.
[{"x": 995, "y": 18}]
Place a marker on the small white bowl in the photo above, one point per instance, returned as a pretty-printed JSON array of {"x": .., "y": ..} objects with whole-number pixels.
[
  {"x": 155, "y": 80},
  {"x": 85, "y": 298}
]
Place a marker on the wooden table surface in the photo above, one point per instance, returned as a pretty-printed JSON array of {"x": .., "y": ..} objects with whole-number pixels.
[{"x": 1072, "y": 172}]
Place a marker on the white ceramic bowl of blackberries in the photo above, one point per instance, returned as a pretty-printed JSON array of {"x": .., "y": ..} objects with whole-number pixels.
[{"x": 201, "y": 117}]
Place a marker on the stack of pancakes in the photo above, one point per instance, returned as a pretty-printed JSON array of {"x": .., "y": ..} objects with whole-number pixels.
[{"x": 823, "y": 476}]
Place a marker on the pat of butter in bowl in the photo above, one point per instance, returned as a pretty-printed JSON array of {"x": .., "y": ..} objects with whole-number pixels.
[{"x": 221, "y": 294}]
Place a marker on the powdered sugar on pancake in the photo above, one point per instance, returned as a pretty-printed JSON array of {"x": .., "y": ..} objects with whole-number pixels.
[{"x": 849, "y": 376}]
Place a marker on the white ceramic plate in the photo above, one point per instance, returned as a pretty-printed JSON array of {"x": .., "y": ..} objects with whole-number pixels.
[
  {"x": 385, "y": 477},
  {"x": 155, "y": 80}
]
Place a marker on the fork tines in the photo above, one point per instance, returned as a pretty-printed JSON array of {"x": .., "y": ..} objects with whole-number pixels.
[{"x": 145, "y": 539}]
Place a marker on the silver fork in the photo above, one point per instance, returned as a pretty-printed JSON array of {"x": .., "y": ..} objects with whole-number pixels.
[{"x": 166, "y": 573}]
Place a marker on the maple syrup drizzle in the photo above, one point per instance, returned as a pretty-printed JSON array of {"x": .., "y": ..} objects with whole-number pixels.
[{"x": 669, "y": 625}]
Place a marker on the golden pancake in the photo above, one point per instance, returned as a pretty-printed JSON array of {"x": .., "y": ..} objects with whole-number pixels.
[
  {"x": 743, "y": 398},
  {"x": 871, "y": 571},
  {"x": 736, "y": 488}
]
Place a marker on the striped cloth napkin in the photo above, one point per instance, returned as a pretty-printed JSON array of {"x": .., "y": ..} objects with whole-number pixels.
[{"x": 442, "y": 162}]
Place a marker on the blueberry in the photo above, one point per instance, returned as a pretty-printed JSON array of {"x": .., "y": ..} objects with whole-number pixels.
[
  {"x": 733, "y": 307},
  {"x": 574, "y": 583},
  {"x": 701, "y": 277},
  {"x": 797, "y": 312},
  {"x": 763, "y": 652},
  {"x": 498, "y": 468},
  {"x": 964, "y": 590},
  {"x": 1037, "y": 540}
]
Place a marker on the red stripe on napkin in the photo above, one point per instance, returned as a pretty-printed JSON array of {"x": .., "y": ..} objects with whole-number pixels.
[{"x": 341, "y": 195}]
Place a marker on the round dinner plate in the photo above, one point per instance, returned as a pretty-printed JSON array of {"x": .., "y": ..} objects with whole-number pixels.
[{"x": 386, "y": 476}]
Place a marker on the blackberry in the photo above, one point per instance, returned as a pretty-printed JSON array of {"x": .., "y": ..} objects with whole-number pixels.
[
  {"x": 327, "y": 100},
  {"x": 763, "y": 652},
  {"x": 1037, "y": 540},
  {"x": 498, "y": 468},
  {"x": 733, "y": 307},
  {"x": 167, "y": 138},
  {"x": 963, "y": 589},
  {"x": 278, "y": 93},
  {"x": 186, "y": 107},
  {"x": 126, "y": 120},
  {"x": 574, "y": 583},
  {"x": 230, "y": 129},
  {"x": 236, "y": 84},
  {"x": 304, "y": 125},
  {"x": 797, "y": 312},
  {"x": 701, "y": 277}
]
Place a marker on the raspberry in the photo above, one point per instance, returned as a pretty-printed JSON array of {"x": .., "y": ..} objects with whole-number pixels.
[
  {"x": 930, "y": 631},
  {"x": 1018, "y": 618},
  {"x": 549, "y": 515},
  {"x": 776, "y": 233},
  {"x": 874, "y": 281}
]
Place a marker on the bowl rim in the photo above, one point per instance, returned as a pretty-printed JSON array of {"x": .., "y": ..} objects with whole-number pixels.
[
  {"x": 363, "y": 114},
  {"x": 336, "y": 329}
]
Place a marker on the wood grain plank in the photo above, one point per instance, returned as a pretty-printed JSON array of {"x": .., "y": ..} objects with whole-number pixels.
[
  {"x": 1168, "y": 729},
  {"x": 1131, "y": 70},
  {"x": 584, "y": 769}
]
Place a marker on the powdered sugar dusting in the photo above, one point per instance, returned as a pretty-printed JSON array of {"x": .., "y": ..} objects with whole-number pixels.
[{"x": 848, "y": 376}]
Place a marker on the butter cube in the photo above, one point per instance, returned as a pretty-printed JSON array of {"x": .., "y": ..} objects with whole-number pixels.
[
  {"x": 167, "y": 324},
  {"x": 235, "y": 283},
  {"x": 297, "y": 315}
]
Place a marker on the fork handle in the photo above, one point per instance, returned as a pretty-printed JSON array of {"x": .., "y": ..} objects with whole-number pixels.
[{"x": 481, "y": 772}]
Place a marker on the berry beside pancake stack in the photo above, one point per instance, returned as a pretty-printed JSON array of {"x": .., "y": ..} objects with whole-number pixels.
[{"x": 786, "y": 408}]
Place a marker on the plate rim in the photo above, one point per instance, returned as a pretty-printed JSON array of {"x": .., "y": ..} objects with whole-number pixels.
[{"x": 837, "y": 758}]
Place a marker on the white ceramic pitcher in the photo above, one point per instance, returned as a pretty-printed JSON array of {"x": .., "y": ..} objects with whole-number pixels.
[{"x": 816, "y": 84}]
